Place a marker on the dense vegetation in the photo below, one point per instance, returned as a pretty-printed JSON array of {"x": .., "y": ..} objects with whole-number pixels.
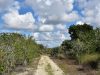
[
  {"x": 84, "y": 46},
  {"x": 16, "y": 49}
]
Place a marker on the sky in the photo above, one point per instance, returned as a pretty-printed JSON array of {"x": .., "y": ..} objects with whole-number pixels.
[{"x": 47, "y": 20}]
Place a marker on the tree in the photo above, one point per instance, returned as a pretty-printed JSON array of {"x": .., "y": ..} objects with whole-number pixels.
[
  {"x": 66, "y": 46},
  {"x": 55, "y": 51},
  {"x": 74, "y": 30}
]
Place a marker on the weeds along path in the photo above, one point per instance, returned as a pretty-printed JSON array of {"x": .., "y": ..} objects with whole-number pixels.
[{"x": 47, "y": 67}]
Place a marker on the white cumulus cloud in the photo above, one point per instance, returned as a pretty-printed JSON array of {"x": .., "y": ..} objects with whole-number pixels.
[
  {"x": 54, "y": 11},
  {"x": 5, "y": 4},
  {"x": 14, "y": 20},
  {"x": 90, "y": 11},
  {"x": 46, "y": 28}
]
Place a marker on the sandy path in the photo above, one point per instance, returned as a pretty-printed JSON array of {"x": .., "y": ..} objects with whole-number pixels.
[
  {"x": 41, "y": 68},
  {"x": 44, "y": 61}
]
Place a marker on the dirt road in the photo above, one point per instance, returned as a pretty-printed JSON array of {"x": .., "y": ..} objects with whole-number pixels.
[{"x": 47, "y": 67}]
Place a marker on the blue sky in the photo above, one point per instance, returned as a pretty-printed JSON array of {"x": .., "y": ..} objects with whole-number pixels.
[{"x": 47, "y": 20}]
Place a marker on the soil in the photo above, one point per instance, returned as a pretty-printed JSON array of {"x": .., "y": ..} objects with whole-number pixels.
[
  {"x": 42, "y": 66},
  {"x": 53, "y": 66},
  {"x": 70, "y": 67}
]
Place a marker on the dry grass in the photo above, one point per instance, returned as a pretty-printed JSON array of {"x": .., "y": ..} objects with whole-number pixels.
[
  {"x": 88, "y": 58},
  {"x": 71, "y": 68},
  {"x": 62, "y": 65},
  {"x": 30, "y": 68}
]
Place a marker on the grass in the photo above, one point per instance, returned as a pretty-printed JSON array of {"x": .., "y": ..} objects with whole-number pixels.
[
  {"x": 63, "y": 67},
  {"x": 49, "y": 69},
  {"x": 98, "y": 72},
  {"x": 69, "y": 67},
  {"x": 62, "y": 64},
  {"x": 33, "y": 65},
  {"x": 88, "y": 58}
]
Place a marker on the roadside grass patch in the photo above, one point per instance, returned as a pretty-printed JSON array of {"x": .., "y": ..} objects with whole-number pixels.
[
  {"x": 90, "y": 60},
  {"x": 48, "y": 69}
]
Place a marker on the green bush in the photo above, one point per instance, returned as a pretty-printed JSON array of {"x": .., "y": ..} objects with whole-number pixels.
[{"x": 16, "y": 49}]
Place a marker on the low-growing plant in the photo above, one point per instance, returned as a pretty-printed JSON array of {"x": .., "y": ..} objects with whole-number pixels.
[
  {"x": 90, "y": 60},
  {"x": 49, "y": 69}
]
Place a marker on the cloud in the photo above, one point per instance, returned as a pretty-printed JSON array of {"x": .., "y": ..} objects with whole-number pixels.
[
  {"x": 63, "y": 18},
  {"x": 5, "y": 4},
  {"x": 79, "y": 23},
  {"x": 14, "y": 20},
  {"x": 46, "y": 28},
  {"x": 51, "y": 39},
  {"x": 49, "y": 33},
  {"x": 61, "y": 27},
  {"x": 54, "y": 11},
  {"x": 68, "y": 5},
  {"x": 90, "y": 11},
  {"x": 53, "y": 17}
]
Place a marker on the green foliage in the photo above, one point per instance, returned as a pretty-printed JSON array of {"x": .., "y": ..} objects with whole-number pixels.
[
  {"x": 66, "y": 45},
  {"x": 89, "y": 58},
  {"x": 16, "y": 49},
  {"x": 74, "y": 30},
  {"x": 55, "y": 51},
  {"x": 48, "y": 69},
  {"x": 84, "y": 45},
  {"x": 91, "y": 41},
  {"x": 77, "y": 48},
  {"x": 73, "y": 48},
  {"x": 2, "y": 53}
]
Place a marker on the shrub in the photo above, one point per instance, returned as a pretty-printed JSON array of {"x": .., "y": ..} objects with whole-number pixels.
[
  {"x": 61, "y": 56},
  {"x": 90, "y": 60},
  {"x": 16, "y": 49}
]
